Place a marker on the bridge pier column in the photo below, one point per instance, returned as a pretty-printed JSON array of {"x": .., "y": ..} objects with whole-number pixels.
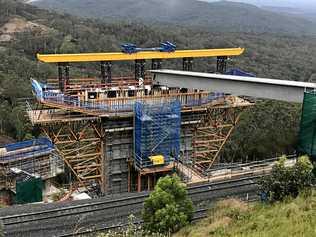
[{"x": 221, "y": 64}]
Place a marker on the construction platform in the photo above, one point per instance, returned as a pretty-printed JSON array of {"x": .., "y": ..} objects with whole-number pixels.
[
  {"x": 96, "y": 138},
  {"x": 122, "y": 134}
]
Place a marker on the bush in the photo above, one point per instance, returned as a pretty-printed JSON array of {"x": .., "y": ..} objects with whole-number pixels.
[
  {"x": 168, "y": 207},
  {"x": 288, "y": 181}
]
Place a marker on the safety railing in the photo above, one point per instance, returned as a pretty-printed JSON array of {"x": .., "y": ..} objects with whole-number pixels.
[
  {"x": 86, "y": 83},
  {"x": 126, "y": 104}
]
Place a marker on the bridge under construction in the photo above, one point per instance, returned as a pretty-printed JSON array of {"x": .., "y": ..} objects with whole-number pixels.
[{"x": 122, "y": 134}]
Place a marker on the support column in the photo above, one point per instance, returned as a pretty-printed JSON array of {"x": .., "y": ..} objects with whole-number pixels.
[
  {"x": 148, "y": 182},
  {"x": 67, "y": 76},
  {"x": 190, "y": 64},
  {"x": 60, "y": 77},
  {"x": 109, "y": 72},
  {"x": 221, "y": 64},
  {"x": 140, "y": 69},
  {"x": 106, "y": 72},
  {"x": 103, "y": 74},
  {"x": 156, "y": 64},
  {"x": 139, "y": 182},
  {"x": 129, "y": 178},
  {"x": 187, "y": 64}
]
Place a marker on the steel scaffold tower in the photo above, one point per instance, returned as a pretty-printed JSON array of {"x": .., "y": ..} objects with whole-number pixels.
[{"x": 157, "y": 132}]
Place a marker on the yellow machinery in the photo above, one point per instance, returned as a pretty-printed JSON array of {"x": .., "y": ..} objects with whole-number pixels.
[
  {"x": 157, "y": 160},
  {"x": 95, "y": 57}
]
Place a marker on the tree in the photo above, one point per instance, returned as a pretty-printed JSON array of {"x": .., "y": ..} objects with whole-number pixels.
[
  {"x": 168, "y": 207},
  {"x": 288, "y": 181}
]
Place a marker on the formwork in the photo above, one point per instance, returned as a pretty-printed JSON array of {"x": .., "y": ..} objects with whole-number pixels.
[{"x": 307, "y": 134}]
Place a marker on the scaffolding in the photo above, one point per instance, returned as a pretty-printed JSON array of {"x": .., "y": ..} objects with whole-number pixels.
[
  {"x": 213, "y": 131},
  {"x": 36, "y": 157},
  {"x": 79, "y": 143},
  {"x": 156, "y": 133}
]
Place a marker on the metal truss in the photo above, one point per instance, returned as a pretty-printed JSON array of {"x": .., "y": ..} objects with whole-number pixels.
[
  {"x": 80, "y": 145},
  {"x": 211, "y": 134}
]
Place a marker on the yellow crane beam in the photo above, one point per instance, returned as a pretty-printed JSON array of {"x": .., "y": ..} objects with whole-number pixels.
[{"x": 95, "y": 57}]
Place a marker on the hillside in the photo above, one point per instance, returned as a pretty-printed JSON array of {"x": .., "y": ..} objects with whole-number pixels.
[
  {"x": 223, "y": 16},
  {"x": 232, "y": 218},
  {"x": 266, "y": 55},
  {"x": 307, "y": 13}
]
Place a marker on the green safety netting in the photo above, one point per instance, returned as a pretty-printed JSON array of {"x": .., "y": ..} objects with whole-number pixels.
[
  {"x": 307, "y": 134},
  {"x": 29, "y": 191}
]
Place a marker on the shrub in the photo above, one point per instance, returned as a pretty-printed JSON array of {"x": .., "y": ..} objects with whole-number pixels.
[
  {"x": 168, "y": 207},
  {"x": 288, "y": 181}
]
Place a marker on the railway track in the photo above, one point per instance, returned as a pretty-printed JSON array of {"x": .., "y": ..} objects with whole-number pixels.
[
  {"x": 106, "y": 213},
  {"x": 198, "y": 215}
]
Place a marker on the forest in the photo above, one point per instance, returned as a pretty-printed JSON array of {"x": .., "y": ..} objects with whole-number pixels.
[
  {"x": 268, "y": 129},
  {"x": 217, "y": 16}
]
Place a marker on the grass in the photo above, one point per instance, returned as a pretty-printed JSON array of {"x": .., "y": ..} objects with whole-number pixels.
[{"x": 296, "y": 217}]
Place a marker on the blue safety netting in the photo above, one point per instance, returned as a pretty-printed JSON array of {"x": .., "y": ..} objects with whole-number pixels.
[
  {"x": 239, "y": 72},
  {"x": 26, "y": 149},
  {"x": 157, "y": 132}
]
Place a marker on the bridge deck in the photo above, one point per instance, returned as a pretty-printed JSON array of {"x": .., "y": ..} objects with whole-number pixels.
[{"x": 283, "y": 90}]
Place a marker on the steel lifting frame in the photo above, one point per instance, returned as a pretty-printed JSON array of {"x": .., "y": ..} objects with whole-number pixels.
[
  {"x": 106, "y": 72},
  {"x": 140, "y": 69},
  {"x": 187, "y": 64},
  {"x": 63, "y": 75},
  {"x": 211, "y": 134},
  {"x": 80, "y": 144},
  {"x": 221, "y": 65},
  {"x": 156, "y": 64}
]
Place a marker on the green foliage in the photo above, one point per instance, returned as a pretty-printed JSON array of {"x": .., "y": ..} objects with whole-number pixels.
[
  {"x": 283, "y": 219},
  {"x": 266, "y": 122},
  {"x": 221, "y": 16},
  {"x": 288, "y": 181},
  {"x": 168, "y": 207},
  {"x": 68, "y": 46}
]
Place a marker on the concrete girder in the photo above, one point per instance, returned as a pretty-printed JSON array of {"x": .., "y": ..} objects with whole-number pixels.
[{"x": 283, "y": 90}]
